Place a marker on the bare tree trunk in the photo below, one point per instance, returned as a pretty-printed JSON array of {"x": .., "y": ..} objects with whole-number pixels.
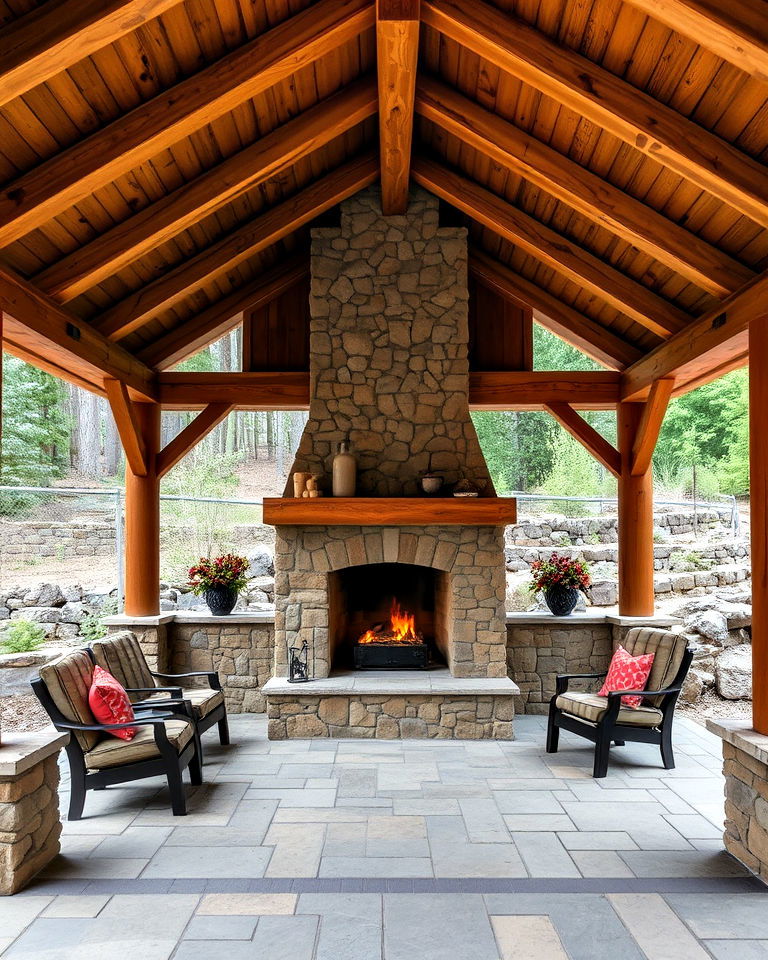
[
  {"x": 270, "y": 415},
  {"x": 89, "y": 434},
  {"x": 112, "y": 449}
]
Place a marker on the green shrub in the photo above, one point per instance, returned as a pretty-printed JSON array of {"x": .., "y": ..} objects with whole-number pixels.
[
  {"x": 692, "y": 560},
  {"x": 21, "y": 636},
  {"x": 93, "y": 628}
]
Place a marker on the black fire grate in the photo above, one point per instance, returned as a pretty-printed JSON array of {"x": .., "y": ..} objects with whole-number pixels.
[{"x": 373, "y": 656}]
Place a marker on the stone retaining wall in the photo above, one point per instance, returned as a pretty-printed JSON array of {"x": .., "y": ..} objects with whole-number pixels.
[
  {"x": 384, "y": 717},
  {"x": 27, "y": 539},
  {"x": 558, "y": 531}
]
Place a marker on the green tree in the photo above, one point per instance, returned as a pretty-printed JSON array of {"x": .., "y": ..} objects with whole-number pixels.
[{"x": 35, "y": 437}]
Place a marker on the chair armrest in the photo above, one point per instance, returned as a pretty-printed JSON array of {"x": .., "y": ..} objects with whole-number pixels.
[
  {"x": 643, "y": 693},
  {"x": 174, "y": 691},
  {"x": 212, "y": 675},
  {"x": 143, "y": 720},
  {"x": 563, "y": 679}
]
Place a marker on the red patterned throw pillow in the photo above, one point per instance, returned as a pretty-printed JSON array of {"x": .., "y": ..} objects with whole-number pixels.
[
  {"x": 109, "y": 703},
  {"x": 627, "y": 673}
]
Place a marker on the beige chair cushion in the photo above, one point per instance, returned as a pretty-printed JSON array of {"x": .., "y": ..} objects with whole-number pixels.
[
  {"x": 112, "y": 752},
  {"x": 588, "y": 706},
  {"x": 121, "y": 655},
  {"x": 203, "y": 699},
  {"x": 68, "y": 680},
  {"x": 668, "y": 648}
]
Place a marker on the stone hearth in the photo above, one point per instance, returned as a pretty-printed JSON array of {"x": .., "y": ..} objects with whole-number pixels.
[{"x": 389, "y": 371}]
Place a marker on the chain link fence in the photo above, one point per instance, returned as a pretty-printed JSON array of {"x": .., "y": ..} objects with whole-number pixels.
[{"x": 71, "y": 534}]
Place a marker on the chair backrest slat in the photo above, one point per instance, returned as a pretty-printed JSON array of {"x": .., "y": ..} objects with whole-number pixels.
[
  {"x": 669, "y": 649},
  {"x": 68, "y": 681},
  {"x": 121, "y": 655}
]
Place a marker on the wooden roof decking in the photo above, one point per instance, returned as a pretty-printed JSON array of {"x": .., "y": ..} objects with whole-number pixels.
[{"x": 161, "y": 162}]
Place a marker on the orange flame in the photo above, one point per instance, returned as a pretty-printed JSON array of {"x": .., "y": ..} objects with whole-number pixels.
[{"x": 402, "y": 629}]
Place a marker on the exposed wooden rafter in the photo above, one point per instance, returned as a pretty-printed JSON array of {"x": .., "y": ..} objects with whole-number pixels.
[
  {"x": 165, "y": 219},
  {"x": 128, "y": 426},
  {"x": 711, "y": 341},
  {"x": 37, "y": 326},
  {"x": 45, "y": 191},
  {"x": 397, "y": 50},
  {"x": 606, "y": 100},
  {"x": 176, "y": 449},
  {"x": 223, "y": 315},
  {"x": 580, "y": 331},
  {"x": 594, "y": 197},
  {"x": 556, "y": 251},
  {"x": 648, "y": 430},
  {"x": 238, "y": 246},
  {"x": 587, "y": 436},
  {"x": 56, "y": 35},
  {"x": 736, "y": 30}
]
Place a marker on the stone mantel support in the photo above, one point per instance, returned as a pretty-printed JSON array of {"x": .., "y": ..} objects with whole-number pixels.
[{"x": 30, "y": 825}]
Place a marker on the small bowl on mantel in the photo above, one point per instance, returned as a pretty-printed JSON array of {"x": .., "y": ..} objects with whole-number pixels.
[{"x": 431, "y": 484}]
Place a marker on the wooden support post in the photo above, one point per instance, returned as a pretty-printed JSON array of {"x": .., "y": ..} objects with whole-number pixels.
[
  {"x": 758, "y": 492},
  {"x": 636, "y": 596},
  {"x": 142, "y": 521}
]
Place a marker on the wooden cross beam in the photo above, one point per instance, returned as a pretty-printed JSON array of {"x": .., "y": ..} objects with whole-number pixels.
[
  {"x": 53, "y": 186},
  {"x": 208, "y": 418},
  {"x": 648, "y": 430},
  {"x": 128, "y": 427},
  {"x": 556, "y": 251},
  {"x": 606, "y": 100},
  {"x": 586, "y": 434},
  {"x": 397, "y": 50}
]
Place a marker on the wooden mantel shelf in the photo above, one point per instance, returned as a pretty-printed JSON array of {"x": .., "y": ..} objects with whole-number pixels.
[{"x": 391, "y": 511}]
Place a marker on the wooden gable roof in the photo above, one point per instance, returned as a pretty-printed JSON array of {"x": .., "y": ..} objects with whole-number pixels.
[{"x": 161, "y": 161}]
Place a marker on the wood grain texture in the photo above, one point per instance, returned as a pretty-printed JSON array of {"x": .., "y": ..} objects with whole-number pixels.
[
  {"x": 533, "y": 390},
  {"x": 397, "y": 50},
  {"x": 70, "y": 176},
  {"x": 591, "y": 195},
  {"x": 128, "y": 426},
  {"x": 553, "y": 249},
  {"x": 56, "y": 35},
  {"x": 142, "y": 522},
  {"x": 635, "y": 507},
  {"x": 174, "y": 451},
  {"x": 573, "y": 327},
  {"x": 391, "y": 512},
  {"x": 224, "y": 315},
  {"x": 238, "y": 246},
  {"x": 37, "y": 324},
  {"x": 736, "y": 30},
  {"x": 182, "y": 209},
  {"x": 246, "y": 391},
  {"x": 650, "y": 425},
  {"x": 587, "y": 436},
  {"x": 607, "y": 100},
  {"x": 709, "y": 342}
]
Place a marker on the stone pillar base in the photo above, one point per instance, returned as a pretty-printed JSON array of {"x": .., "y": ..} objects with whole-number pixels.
[
  {"x": 745, "y": 765},
  {"x": 30, "y": 825}
]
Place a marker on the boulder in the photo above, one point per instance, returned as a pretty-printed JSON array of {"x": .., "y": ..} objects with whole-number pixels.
[
  {"x": 44, "y": 595},
  {"x": 604, "y": 593},
  {"x": 262, "y": 563},
  {"x": 73, "y": 612},
  {"x": 72, "y": 592},
  {"x": 40, "y": 615},
  {"x": 733, "y": 673},
  {"x": 693, "y": 687},
  {"x": 710, "y": 624}
]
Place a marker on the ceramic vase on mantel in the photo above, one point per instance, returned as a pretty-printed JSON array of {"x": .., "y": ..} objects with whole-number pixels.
[
  {"x": 561, "y": 600},
  {"x": 344, "y": 472},
  {"x": 221, "y": 600}
]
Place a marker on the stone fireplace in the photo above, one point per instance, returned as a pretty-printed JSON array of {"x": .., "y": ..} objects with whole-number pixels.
[{"x": 389, "y": 373}]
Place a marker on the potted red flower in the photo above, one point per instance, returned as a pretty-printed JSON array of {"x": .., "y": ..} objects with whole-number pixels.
[
  {"x": 219, "y": 580},
  {"x": 560, "y": 579}
]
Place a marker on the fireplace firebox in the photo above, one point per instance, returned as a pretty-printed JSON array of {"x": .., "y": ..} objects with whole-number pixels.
[{"x": 387, "y": 616}]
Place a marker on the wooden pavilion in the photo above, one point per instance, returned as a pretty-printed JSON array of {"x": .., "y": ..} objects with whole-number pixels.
[{"x": 162, "y": 162}]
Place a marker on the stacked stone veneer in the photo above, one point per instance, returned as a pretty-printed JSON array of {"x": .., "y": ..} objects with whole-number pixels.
[
  {"x": 30, "y": 825},
  {"x": 746, "y": 807},
  {"x": 388, "y": 717},
  {"x": 469, "y": 556},
  {"x": 389, "y": 349}
]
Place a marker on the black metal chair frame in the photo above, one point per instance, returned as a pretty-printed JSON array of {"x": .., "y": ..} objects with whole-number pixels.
[
  {"x": 170, "y": 764},
  {"x": 608, "y": 729},
  {"x": 216, "y": 716}
]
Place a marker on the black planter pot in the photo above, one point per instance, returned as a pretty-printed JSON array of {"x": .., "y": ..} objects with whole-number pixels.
[
  {"x": 221, "y": 600},
  {"x": 561, "y": 600}
]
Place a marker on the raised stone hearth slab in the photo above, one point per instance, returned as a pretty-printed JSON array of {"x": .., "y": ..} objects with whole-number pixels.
[{"x": 392, "y": 705}]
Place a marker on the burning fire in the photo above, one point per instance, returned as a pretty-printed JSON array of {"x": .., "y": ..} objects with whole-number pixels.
[{"x": 402, "y": 629}]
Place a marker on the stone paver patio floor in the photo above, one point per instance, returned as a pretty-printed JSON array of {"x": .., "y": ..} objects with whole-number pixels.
[{"x": 395, "y": 850}]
